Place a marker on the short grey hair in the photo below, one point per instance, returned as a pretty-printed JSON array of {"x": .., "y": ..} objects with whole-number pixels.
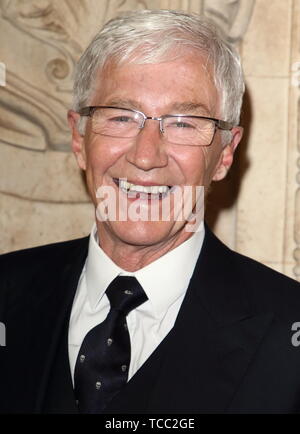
[{"x": 150, "y": 36}]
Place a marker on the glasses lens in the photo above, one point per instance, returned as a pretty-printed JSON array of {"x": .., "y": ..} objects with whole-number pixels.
[
  {"x": 185, "y": 130},
  {"x": 116, "y": 122}
]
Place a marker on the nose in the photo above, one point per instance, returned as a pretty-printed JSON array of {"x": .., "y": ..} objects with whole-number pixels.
[{"x": 148, "y": 150}]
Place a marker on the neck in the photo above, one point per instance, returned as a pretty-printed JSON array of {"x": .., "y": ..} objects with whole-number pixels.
[{"x": 132, "y": 257}]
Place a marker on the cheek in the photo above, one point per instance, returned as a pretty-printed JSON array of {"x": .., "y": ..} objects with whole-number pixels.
[
  {"x": 99, "y": 156},
  {"x": 204, "y": 165},
  {"x": 194, "y": 165}
]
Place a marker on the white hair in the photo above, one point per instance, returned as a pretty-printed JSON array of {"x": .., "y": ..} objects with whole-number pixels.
[{"x": 152, "y": 36}]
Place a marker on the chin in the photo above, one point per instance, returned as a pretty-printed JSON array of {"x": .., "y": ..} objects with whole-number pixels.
[{"x": 141, "y": 233}]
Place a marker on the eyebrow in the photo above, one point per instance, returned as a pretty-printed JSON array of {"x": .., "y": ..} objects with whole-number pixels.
[
  {"x": 124, "y": 103},
  {"x": 180, "y": 107},
  {"x": 186, "y": 107}
]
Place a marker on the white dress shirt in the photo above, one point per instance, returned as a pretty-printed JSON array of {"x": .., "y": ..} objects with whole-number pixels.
[{"x": 164, "y": 281}]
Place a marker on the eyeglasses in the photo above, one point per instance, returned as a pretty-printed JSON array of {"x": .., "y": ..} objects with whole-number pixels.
[{"x": 178, "y": 128}]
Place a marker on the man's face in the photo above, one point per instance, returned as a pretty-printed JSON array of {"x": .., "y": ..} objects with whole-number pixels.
[{"x": 184, "y": 86}]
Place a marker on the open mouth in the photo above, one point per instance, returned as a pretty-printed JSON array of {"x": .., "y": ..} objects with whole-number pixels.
[{"x": 142, "y": 191}]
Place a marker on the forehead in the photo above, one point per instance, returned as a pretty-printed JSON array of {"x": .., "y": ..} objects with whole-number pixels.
[{"x": 188, "y": 79}]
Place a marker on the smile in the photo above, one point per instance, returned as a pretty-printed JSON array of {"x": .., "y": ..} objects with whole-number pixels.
[{"x": 154, "y": 190}]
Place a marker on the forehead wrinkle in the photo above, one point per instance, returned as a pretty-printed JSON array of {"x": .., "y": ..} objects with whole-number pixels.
[
  {"x": 180, "y": 107},
  {"x": 191, "y": 106},
  {"x": 124, "y": 103}
]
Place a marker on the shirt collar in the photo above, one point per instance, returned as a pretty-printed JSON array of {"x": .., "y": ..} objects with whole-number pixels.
[{"x": 163, "y": 281}]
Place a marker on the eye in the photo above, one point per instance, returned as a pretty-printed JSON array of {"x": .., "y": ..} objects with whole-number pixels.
[
  {"x": 182, "y": 125},
  {"x": 125, "y": 119}
]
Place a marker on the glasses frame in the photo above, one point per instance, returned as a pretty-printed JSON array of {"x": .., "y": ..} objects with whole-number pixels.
[{"x": 219, "y": 124}]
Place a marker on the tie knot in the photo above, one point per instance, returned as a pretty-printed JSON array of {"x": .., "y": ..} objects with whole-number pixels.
[{"x": 125, "y": 294}]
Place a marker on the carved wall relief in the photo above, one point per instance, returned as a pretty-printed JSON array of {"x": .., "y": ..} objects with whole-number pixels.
[
  {"x": 297, "y": 204},
  {"x": 295, "y": 128},
  {"x": 231, "y": 15},
  {"x": 52, "y": 24}
]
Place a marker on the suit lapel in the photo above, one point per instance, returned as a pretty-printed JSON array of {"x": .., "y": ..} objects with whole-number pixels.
[
  {"x": 55, "y": 394},
  {"x": 202, "y": 371},
  {"x": 200, "y": 364}
]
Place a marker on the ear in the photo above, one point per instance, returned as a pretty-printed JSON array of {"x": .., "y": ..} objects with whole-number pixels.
[
  {"x": 77, "y": 139},
  {"x": 226, "y": 157}
]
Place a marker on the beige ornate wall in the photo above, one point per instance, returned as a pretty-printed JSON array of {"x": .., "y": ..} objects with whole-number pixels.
[{"x": 42, "y": 195}]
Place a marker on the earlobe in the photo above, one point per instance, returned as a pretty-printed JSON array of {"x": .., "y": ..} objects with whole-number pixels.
[
  {"x": 226, "y": 157},
  {"x": 220, "y": 173},
  {"x": 77, "y": 139},
  {"x": 224, "y": 163}
]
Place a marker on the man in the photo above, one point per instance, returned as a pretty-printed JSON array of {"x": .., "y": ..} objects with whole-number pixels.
[{"x": 199, "y": 328}]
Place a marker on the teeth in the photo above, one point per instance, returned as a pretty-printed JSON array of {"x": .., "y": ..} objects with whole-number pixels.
[{"x": 155, "y": 189}]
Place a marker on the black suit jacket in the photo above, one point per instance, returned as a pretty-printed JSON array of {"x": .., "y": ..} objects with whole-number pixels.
[{"x": 229, "y": 351}]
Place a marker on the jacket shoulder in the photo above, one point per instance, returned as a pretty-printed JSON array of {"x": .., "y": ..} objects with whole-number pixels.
[
  {"x": 265, "y": 289},
  {"x": 40, "y": 253},
  {"x": 25, "y": 273},
  {"x": 34, "y": 263}
]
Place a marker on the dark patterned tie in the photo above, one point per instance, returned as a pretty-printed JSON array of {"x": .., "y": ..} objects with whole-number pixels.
[{"x": 103, "y": 360}]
